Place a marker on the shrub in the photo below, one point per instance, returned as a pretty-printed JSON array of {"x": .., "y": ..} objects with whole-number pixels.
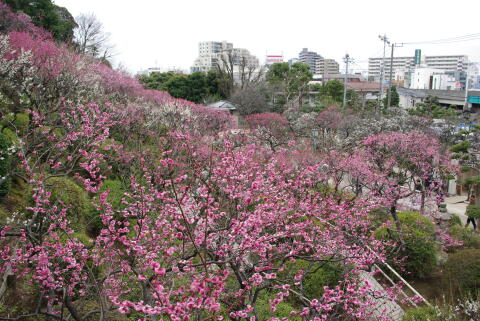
[
  {"x": 328, "y": 191},
  {"x": 283, "y": 309},
  {"x": 18, "y": 196},
  {"x": 424, "y": 313},
  {"x": 5, "y": 163},
  {"x": 320, "y": 275},
  {"x": 473, "y": 211},
  {"x": 454, "y": 220},
  {"x": 420, "y": 247},
  {"x": 468, "y": 236},
  {"x": 4, "y": 215},
  {"x": 327, "y": 275},
  {"x": 379, "y": 216},
  {"x": 18, "y": 122},
  {"x": 10, "y": 135},
  {"x": 94, "y": 223},
  {"x": 417, "y": 220},
  {"x": 460, "y": 147},
  {"x": 462, "y": 271},
  {"x": 73, "y": 196}
]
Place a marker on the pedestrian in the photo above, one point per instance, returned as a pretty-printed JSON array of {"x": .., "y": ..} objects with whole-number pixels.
[
  {"x": 418, "y": 184},
  {"x": 471, "y": 212}
]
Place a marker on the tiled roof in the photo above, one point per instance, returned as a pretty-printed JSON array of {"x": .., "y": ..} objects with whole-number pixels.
[{"x": 364, "y": 86}]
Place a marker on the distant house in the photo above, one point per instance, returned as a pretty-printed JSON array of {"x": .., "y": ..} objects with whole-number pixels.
[
  {"x": 367, "y": 90},
  {"x": 410, "y": 97},
  {"x": 227, "y": 106},
  {"x": 224, "y": 105}
]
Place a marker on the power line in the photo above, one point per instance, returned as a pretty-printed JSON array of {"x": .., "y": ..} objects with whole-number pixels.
[{"x": 470, "y": 37}]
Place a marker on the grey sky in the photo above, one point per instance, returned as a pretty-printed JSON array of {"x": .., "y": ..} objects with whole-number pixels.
[{"x": 166, "y": 33}]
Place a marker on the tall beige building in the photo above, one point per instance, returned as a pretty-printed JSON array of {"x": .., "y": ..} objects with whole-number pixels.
[{"x": 326, "y": 67}]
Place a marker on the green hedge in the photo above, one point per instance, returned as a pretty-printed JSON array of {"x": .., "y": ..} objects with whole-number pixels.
[
  {"x": 473, "y": 211},
  {"x": 454, "y": 220},
  {"x": 18, "y": 122},
  {"x": 283, "y": 309},
  {"x": 5, "y": 165},
  {"x": 65, "y": 190},
  {"x": 117, "y": 190},
  {"x": 423, "y": 313},
  {"x": 468, "y": 236},
  {"x": 462, "y": 271},
  {"x": 460, "y": 147},
  {"x": 319, "y": 275},
  {"x": 420, "y": 246}
]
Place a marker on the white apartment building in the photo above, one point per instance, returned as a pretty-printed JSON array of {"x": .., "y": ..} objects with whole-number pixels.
[
  {"x": 431, "y": 78},
  {"x": 450, "y": 64},
  {"x": 212, "y": 54},
  {"x": 474, "y": 75},
  {"x": 399, "y": 63},
  {"x": 310, "y": 58}
]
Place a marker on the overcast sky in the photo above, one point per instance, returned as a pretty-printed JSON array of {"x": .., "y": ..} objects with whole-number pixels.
[{"x": 165, "y": 33}]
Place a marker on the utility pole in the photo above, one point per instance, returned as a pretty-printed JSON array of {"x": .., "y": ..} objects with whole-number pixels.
[
  {"x": 382, "y": 67},
  {"x": 389, "y": 94},
  {"x": 389, "y": 99},
  {"x": 346, "y": 59},
  {"x": 465, "y": 107}
]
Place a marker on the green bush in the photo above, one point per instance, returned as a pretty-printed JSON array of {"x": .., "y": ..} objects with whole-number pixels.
[
  {"x": 473, "y": 211},
  {"x": 4, "y": 216},
  {"x": 18, "y": 122},
  {"x": 378, "y": 216},
  {"x": 94, "y": 222},
  {"x": 283, "y": 309},
  {"x": 474, "y": 180},
  {"x": 328, "y": 191},
  {"x": 65, "y": 190},
  {"x": 5, "y": 165},
  {"x": 420, "y": 248},
  {"x": 117, "y": 190},
  {"x": 423, "y": 313},
  {"x": 21, "y": 123},
  {"x": 417, "y": 220},
  {"x": 327, "y": 275},
  {"x": 460, "y": 147},
  {"x": 10, "y": 135},
  {"x": 462, "y": 271},
  {"x": 319, "y": 275},
  {"x": 468, "y": 236},
  {"x": 454, "y": 220}
]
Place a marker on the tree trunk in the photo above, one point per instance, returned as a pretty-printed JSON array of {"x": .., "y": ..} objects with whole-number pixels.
[
  {"x": 398, "y": 224},
  {"x": 422, "y": 202}
]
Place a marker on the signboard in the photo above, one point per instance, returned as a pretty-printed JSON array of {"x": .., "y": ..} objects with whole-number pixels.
[
  {"x": 418, "y": 56},
  {"x": 271, "y": 59},
  {"x": 474, "y": 99}
]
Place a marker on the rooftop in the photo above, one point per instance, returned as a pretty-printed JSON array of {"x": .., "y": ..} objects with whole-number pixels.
[
  {"x": 442, "y": 94},
  {"x": 223, "y": 104}
]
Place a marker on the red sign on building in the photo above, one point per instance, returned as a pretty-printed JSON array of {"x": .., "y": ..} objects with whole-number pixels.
[{"x": 271, "y": 59}]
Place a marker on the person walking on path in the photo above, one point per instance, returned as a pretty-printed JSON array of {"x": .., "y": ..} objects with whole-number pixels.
[{"x": 471, "y": 212}]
